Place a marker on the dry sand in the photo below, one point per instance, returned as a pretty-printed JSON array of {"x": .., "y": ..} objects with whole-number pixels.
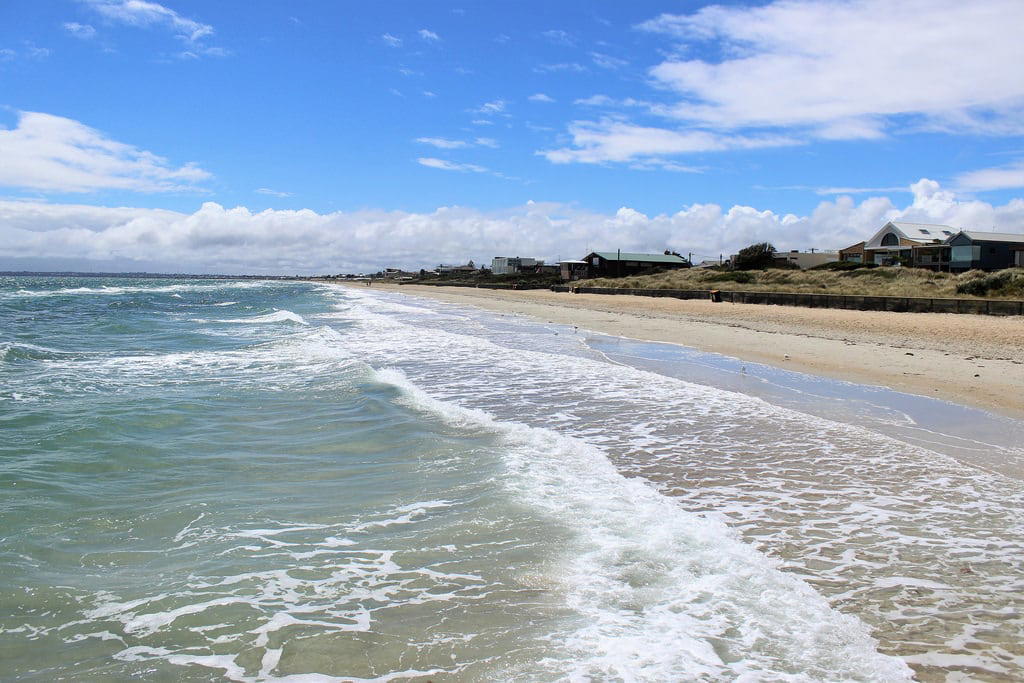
[{"x": 967, "y": 359}]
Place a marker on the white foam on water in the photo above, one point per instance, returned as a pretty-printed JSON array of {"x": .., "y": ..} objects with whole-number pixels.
[
  {"x": 279, "y": 316},
  {"x": 664, "y": 594},
  {"x": 841, "y": 505},
  {"x": 204, "y": 286},
  {"x": 226, "y": 303}
]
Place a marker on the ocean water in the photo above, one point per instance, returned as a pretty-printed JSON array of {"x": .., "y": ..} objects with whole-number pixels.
[{"x": 210, "y": 480}]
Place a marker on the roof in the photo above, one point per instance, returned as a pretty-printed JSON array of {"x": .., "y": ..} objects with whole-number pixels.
[
  {"x": 979, "y": 236},
  {"x": 916, "y": 232},
  {"x": 649, "y": 258}
]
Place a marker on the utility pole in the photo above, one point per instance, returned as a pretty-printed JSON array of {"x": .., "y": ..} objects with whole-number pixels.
[
  {"x": 689, "y": 257},
  {"x": 618, "y": 262}
]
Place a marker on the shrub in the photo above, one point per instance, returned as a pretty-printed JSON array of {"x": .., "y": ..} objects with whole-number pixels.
[
  {"x": 1000, "y": 283},
  {"x": 760, "y": 255}
]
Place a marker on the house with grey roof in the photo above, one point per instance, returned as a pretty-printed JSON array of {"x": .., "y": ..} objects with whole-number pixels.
[{"x": 975, "y": 249}]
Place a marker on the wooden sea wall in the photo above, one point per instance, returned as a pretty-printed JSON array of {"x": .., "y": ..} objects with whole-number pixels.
[{"x": 899, "y": 304}]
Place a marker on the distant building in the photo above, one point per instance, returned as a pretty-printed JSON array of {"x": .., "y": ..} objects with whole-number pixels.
[
  {"x": 510, "y": 265},
  {"x": 621, "y": 264},
  {"x": 572, "y": 270},
  {"x": 468, "y": 268},
  {"x": 805, "y": 259}
]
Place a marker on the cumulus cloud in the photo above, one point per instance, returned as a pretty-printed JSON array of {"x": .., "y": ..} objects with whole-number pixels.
[
  {"x": 540, "y": 97},
  {"x": 57, "y": 154},
  {"x": 215, "y": 238},
  {"x": 391, "y": 41},
  {"x": 849, "y": 69},
  {"x": 428, "y": 35}
]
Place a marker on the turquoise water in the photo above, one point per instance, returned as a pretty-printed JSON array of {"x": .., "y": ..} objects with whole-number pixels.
[{"x": 203, "y": 480}]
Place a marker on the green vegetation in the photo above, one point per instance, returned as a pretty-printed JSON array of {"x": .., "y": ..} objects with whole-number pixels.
[
  {"x": 1002, "y": 283},
  {"x": 863, "y": 280},
  {"x": 760, "y": 255},
  {"x": 486, "y": 277}
]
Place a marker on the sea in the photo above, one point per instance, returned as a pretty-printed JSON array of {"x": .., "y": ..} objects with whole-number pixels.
[{"x": 246, "y": 480}]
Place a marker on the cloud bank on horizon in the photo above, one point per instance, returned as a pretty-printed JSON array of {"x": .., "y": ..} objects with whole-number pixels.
[
  {"x": 220, "y": 240},
  {"x": 763, "y": 108}
]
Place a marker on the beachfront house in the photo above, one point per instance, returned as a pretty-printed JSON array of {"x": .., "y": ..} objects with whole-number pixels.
[
  {"x": 973, "y": 249},
  {"x": 511, "y": 265},
  {"x": 622, "y": 263},
  {"x": 894, "y": 243}
]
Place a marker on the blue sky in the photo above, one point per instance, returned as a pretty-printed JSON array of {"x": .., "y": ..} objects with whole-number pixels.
[{"x": 411, "y": 132}]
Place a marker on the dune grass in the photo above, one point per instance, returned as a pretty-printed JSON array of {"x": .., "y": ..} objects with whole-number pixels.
[{"x": 1003, "y": 284}]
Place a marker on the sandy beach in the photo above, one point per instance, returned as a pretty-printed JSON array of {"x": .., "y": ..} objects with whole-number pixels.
[{"x": 967, "y": 359}]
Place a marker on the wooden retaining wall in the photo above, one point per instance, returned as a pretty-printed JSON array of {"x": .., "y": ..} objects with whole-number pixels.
[{"x": 852, "y": 301}]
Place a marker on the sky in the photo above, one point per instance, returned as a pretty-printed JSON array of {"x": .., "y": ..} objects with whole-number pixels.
[{"x": 329, "y": 136}]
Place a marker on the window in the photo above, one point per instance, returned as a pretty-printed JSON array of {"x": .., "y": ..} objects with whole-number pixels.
[
  {"x": 890, "y": 240},
  {"x": 924, "y": 232},
  {"x": 947, "y": 232},
  {"x": 965, "y": 253}
]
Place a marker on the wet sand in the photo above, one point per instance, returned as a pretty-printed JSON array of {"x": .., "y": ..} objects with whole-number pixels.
[{"x": 967, "y": 359}]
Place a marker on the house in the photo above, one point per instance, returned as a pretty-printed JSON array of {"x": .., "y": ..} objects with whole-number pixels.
[
  {"x": 510, "y": 265},
  {"x": 461, "y": 270},
  {"x": 985, "y": 250},
  {"x": 572, "y": 270},
  {"x": 621, "y": 264},
  {"x": 894, "y": 243},
  {"x": 805, "y": 259}
]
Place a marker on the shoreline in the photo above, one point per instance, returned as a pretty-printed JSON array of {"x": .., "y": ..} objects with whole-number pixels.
[{"x": 977, "y": 361}]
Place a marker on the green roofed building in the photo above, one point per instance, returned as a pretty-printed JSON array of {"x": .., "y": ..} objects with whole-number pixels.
[{"x": 621, "y": 264}]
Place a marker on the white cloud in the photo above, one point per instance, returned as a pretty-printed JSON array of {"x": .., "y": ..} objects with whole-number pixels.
[
  {"x": 7, "y": 54},
  {"x": 540, "y": 97},
  {"x": 612, "y": 140},
  {"x": 850, "y": 70},
  {"x": 446, "y": 165},
  {"x": 428, "y": 93},
  {"x": 573, "y": 67},
  {"x": 559, "y": 37},
  {"x": 83, "y": 31},
  {"x": 442, "y": 143},
  {"x": 607, "y": 61},
  {"x": 215, "y": 238},
  {"x": 273, "y": 193},
  {"x": 495, "y": 107},
  {"x": 57, "y": 154},
  {"x": 144, "y": 14},
  {"x": 486, "y": 142},
  {"x": 1006, "y": 177},
  {"x": 391, "y": 41},
  {"x": 428, "y": 35}
]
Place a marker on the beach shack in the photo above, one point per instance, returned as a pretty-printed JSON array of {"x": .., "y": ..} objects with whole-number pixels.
[{"x": 622, "y": 263}]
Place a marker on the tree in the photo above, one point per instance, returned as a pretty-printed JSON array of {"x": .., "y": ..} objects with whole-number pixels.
[{"x": 760, "y": 255}]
